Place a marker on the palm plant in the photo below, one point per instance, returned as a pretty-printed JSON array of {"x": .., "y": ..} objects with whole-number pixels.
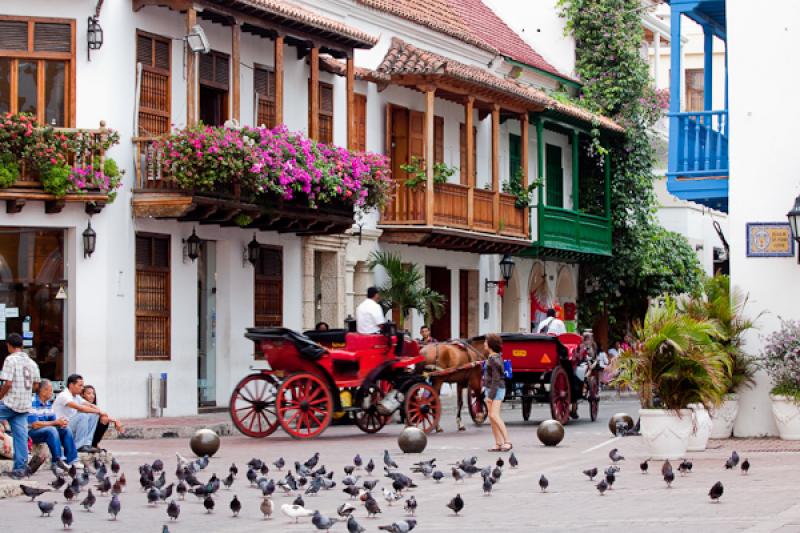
[
  {"x": 726, "y": 307},
  {"x": 676, "y": 359},
  {"x": 405, "y": 288}
]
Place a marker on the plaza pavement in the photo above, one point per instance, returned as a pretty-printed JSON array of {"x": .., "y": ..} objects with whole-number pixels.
[{"x": 763, "y": 501}]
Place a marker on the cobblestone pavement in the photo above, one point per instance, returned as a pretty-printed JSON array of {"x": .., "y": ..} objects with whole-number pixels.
[{"x": 763, "y": 501}]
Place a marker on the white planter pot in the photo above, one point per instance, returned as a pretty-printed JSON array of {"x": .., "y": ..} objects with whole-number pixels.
[
  {"x": 701, "y": 428},
  {"x": 787, "y": 417},
  {"x": 724, "y": 417},
  {"x": 666, "y": 434}
]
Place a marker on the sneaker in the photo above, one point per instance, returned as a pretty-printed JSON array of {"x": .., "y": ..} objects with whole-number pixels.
[
  {"x": 16, "y": 474},
  {"x": 34, "y": 464},
  {"x": 88, "y": 449},
  {"x": 61, "y": 464}
]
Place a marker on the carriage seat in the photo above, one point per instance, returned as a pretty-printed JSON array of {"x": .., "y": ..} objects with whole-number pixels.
[
  {"x": 305, "y": 347},
  {"x": 344, "y": 356}
]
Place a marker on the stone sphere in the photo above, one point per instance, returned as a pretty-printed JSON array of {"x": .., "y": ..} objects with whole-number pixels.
[
  {"x": 204, "y": 442},
  {"x": 550, "y": 432},
  {"x": 620, "y": 418},
  {"x": 412, "y": 440}
]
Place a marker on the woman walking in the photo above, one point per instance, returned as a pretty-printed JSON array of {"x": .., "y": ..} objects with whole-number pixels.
[{"x": 495, "y": 385}]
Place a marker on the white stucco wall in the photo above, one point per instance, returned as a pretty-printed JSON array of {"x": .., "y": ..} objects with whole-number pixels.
[{"x": 765, "y": 173}]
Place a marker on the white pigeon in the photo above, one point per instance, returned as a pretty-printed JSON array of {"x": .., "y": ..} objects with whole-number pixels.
[
  {"x": 295, "y": 511},
  {"x": 390, "y": 495}
]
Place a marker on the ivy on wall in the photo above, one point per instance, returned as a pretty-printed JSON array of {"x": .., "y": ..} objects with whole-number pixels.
[{"x": 648, "y": 260}]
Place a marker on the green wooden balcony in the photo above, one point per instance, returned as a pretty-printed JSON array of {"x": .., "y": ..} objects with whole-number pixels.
[{"x": 563, "y": 233}]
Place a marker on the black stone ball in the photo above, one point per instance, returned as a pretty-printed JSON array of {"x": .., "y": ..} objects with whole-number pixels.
[
  {"x": 412, "y": 440},
  {"x": 204, "y": 442},
  {"x": 620, "y": 421},
  {"x": 550, "y": 432}
]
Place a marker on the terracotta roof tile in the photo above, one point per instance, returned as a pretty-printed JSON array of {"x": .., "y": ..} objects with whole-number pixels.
[{"x": 295, "y": 13}]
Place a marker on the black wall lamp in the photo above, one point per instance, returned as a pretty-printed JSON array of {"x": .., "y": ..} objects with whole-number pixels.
[
  {"x": 252, "y": 252},
  {"x": 89, "y": 240},
  {"x": 506, "y": 270},
  {"x": 191, "y": 246},
  {"x": 794, "y": 219},
  {"x": 94, "y": 32}
]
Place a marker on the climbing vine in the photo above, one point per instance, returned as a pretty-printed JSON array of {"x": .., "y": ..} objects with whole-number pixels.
[{"x": 648, "y": 261}]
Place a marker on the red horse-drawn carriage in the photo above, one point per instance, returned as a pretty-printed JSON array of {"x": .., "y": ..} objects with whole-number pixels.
[
  {"x": 543, "y": 370},
  {"x": 309, "y": 380}
]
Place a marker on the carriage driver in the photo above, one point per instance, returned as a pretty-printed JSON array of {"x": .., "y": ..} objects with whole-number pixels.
[{"x": 369, "y": 314}]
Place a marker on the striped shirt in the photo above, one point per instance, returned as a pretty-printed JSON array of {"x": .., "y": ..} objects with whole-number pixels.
[
  {"x": 22, "y": 372},
  {"x": 41, "y": 412}
]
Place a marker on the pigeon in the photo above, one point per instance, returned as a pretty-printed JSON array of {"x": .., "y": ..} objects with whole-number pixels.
[
  {"x": 314, "y": 486},
  {"x": 202, "y": 463},
  {"x": 716, "y": 492},
  {"x": 66, "y": 517},
  {"x": 388, "y": 461},
  {"x": 353, "y": 526},
  {"x": 116, "y": 488},
  {"x": 46, "y": 507},
  {"x": 496, "y": 473},
  {"x": 345, "y": 510},
  {"x": 669, "y": 477},
  {"x": 685, "y": 467},
  {"x": 153, "y": 495},
  {"x": 58, "y": 482},
  {"x": 390, "y": 495},
  {"x": 251, "y": 476},
  {"x": 411, "y": 505},
  {"x": 295, "y": 511},
  {"x": 352, "y": 490},
  {"x": 610, "y": 478},
  {"x": 233, "y": 470},
  {"x": 173, "y": 510},
  {"x": 615, "y": 456},
  {"x": 667, "y": 466},
  {"x": 299, "y": 501},
  {"x": 32, "y": 492},
  {"x": 348, "y": 469},
  {"x": 114, "y": 507},
  {"x": 264, "y": 469},
  {"x": 643, "y": 466},
  {"x": 101, "y": 473},
  {"x": 512, "y": 460},
  {"x": 69, "y": 494},
  {"x": 255, "y": 463},
  {"x": 279, "y": 463},
  {"x": 357, "y": 461},
  {"x": 312, "y": 461},
  {"x": 208, "y": 503},
  {"x": 114, "y": 466},
  {"x": 228, "y": 481},
  {"x": 543, "y": 483},
  {"x": 457, "y": 474},
  {"x": 158, "y": 465},
  {"x": 456, "y": 504},
  {"x": 166, "y": 492},
  {"x": 372, "y": 506},
  {"x": 236, "y": 506},
  {"x": 89, "y": 501},
  {"x": 370, "y": 467},
  {"x": 437, "y": 475},
  {"x": 591, "y": 473},
  {"x": 370, "y": 484},
  {"x": 602, "y": 487},
  {"x": 322, "y": 522},
  {"x": 745, "y": 466},
  {"x": 401, "y": 526},
  {"x": 732, "y": 461},
  {"x": 266, "y": 507},
  {"x": 122, "y": 480},
  {"x": 487, "y": 486},
  {"x": 181, "y": 489}
]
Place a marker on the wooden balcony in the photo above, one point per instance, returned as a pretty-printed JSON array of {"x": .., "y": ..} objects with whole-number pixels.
[
  {"x": 29, "y": 187},
  {"x": 564, "y": 234},
  {"x": 158, "y": 195},
  {"x": 463, "y": 219}
]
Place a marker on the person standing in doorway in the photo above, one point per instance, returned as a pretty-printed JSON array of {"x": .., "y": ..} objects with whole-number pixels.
[
  {"x": 495, "y": 385},
  {"x": 21, "y": 379},
  {"x": 552, "y": 325},
  {"x": 369, "y": 314}
]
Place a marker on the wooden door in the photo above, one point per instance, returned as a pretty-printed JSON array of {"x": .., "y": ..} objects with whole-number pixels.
[
  {"x": 438, "y": 279},
  {"x": 462, "y": 132}
]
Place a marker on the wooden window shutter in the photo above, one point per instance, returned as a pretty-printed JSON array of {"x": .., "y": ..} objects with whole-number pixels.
[
  {"x": 462, "y": 143},
  {"x": 269, "y": 288},
  {"x": 153, "y": 53},
  {"x": 554, "y": 176},
  {"x": 14, "y": 35},
  {"x": 360, "y": 139},
  {"x": 325, "y": 113},
  {"x": 264, "y": 86},
  {"x": 438, "y": 139},
  {"x": 214, "y": 70},
  {"x": 153, "y": 297},
  {"x": 52, "y": 37}
]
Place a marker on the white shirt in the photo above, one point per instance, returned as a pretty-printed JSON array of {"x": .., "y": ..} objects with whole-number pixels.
[
  {"x": 557, "y": 327},
  {"x": 60, "y": 406},
  {"x": 22, "y": 372},
  {"x": 369, "y": 317}
]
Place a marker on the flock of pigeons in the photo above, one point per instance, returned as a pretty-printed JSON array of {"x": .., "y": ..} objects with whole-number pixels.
[{"x": 305, "y": 480}]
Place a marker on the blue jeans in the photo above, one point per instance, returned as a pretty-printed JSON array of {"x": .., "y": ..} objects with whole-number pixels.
[
  {"x": 59, "y": 440},
  {"x": 82, "y": 426},
  {"x": 19, "y": 431}
]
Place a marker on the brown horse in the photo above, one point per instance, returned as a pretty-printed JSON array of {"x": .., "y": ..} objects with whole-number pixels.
[{"x": 443, "y": 356}]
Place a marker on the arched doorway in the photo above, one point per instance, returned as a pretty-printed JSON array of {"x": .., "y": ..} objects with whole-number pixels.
[
  {"x": 566, "y": 296},
  {"x": 511, "y": 302},
  {"x": 541, "y": 297}
]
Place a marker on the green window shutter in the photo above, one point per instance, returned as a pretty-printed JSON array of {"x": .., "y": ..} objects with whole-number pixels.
[
  {"x": 554, "y": 176},
  {"x": 514, "y": 155}
]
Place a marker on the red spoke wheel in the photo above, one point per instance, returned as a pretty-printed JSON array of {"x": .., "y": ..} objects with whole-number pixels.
[
  {"x": 305, "y": 406},
  {"x": 367, "y": 418},
  {"x": 559, "y": 395},
  {"x": 422, "y": 407},
  {"x": 252, "y": 405},
  {"x": 594, "y": 397},
  {"x": 477, "y": 408}
]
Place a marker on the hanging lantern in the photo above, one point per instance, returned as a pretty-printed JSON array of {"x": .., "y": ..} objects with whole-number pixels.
[{"x": 89, "y": 240}]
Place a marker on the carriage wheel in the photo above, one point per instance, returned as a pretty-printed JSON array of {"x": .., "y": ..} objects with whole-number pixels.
[
  {"x": 422, "y": 407},
  {"x": 594, "y": 397},
  {"x": 305, "y": 406},
  {"x": 559, "y": 395},
  {"x": 368, "y": 419},
  {"x": 252, "y": 405},
  {"x": 477, "y": 408}
]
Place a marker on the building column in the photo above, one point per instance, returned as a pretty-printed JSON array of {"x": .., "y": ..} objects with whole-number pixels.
[
  {"x": 539, "y": 173},
  {"x": 191, "y": 72},
  {"x": 657, "y": 60},
  {"x": 675, "y": 86},
  {"x": 351, "y": 103},
  {"x": 523, "y": 125},
  {"x": 708, "y": 69},
  {"x": 496, "y": 166},
  {"x": 313, "y": 95},
  {"x": 236, "y": 38},
  {"x": 429, "y": 149},
  {"x": 470, "y": 155},
  {"x": 278, "y": 66},
  {"x": 576, "y": 174}
]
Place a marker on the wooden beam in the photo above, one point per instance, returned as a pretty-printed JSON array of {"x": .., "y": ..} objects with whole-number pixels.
[
  {"x": 469, "y": 113},
  {"x": 539, "y": 175},
  {"x": 523, "y": 126},
  {"x": 236, "y": 39},
  {"x": 495, "y": 165},
  {"x": 429, "y": 148},
  {"x": 191, "y": 72},
  {"x": 576, "y": 171},
  {"x": 351, "y": 103},
  {"x": 278, "y": 79},
  {"x": 313, "y": 95}
]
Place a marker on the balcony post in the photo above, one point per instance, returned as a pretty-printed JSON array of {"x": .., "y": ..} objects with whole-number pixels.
[
  {"x": 313, "y": 94},
  {"x": 576, "y": 173},
  {"x": 675, "y": 88},
  {"x": 539, "y": 174},
  {"x": 495, "y": 166},
  {"x": 657, "y": 60},
  {"x": 708, "y": 67},
  {"x": 430, "y": 93},
  {"x": 351, "y": 102},
  {"x": 191, "y": 72},
  {"x": 523, "y": 126},
  {"x": 607, "y": 185},
  {"x": 278, "y": 66},
  {"x": 470, "y": 140},
  {"x": 236, "y": 37}
]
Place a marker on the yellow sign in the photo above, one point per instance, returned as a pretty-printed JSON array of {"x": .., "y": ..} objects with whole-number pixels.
[
  {"x": 545, "y": 359},
  {"x": 769, "y": 239},
  {"x": 519, "y": 353}
]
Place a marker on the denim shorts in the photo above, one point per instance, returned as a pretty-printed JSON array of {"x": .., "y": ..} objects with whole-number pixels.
[{"x": 500, "y": 395}]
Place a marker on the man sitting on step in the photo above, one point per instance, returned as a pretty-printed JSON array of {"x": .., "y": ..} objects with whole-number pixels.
[
  {"x": 83, "y": 416},
  {"x": 44, "y": 427}
]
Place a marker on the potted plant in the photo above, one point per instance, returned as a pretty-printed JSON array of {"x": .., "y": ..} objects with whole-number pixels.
[
  {"x": 781, "y": 357},
  {"x": 673, "y": 362}
]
